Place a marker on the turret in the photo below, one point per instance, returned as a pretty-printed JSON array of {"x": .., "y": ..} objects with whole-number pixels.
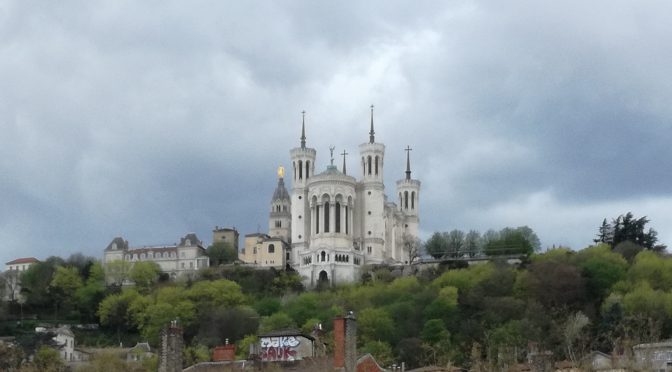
[
  {"x": 303, "y": 168},
  {"x": 408, "y": 191},
  {"x": 371, "y": 205},
  {"x": 279, "y": 222}
]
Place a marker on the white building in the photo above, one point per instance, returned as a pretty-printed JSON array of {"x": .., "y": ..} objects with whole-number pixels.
[
  {"x": 338, "y": 222},
  {"x": 20, "y": 264},
  {"x": 179, "y": 259}
]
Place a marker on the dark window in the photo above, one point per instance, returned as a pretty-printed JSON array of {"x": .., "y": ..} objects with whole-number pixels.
[
  {"x": 347, "y": 222},
  {"x": 317, "y": 219},
  {"x": 326, "y": 217},
  {"x": 300, "y": 169},
  {"x": 413, "y": 200},
  {"x": 405, "y": 199},
  {"x": 369, "y": 165},
  {"x": 307, "y": 168},
  {"x": 376, "y": 165},
  {"x": 271, "y": 248},
  {"x": 338, "y": 217}
]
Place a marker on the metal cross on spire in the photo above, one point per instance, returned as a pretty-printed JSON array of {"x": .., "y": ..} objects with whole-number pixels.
[
  {"x": 408, "y": 150},
  {"x": 372, "y": 133},
  {"x": 303, "y": 129},
  {"x": 344, "y": 154}
]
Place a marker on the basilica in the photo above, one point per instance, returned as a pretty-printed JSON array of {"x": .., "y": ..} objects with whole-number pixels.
[{"x": 332, "y": 223}]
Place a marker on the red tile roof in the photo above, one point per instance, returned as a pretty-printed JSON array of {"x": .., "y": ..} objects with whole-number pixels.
[{"x": 23, "y": 261}]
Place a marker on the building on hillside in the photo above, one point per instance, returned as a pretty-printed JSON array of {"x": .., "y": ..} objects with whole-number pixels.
[
  {"x": 175, "y": 260},
  {"x": 226, "y": 235},
  {"x": 272, "y": 249},
  {"x": 12, "y": 277},
  {"x": 334, "y": 223},
  {"x": 265, "y": 251},
  {"x": 20, "y": 264}
]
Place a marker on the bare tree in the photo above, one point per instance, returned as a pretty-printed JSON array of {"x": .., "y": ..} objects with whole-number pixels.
[{"x": 411, "y": 247}]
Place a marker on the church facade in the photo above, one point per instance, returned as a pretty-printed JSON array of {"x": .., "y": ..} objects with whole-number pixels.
[{"x": 335, "y": 223}]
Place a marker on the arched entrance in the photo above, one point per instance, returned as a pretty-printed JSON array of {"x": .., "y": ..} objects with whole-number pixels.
[{"x": 323, "y": 280}]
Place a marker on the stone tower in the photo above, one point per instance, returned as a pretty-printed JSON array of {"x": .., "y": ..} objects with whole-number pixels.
[
  {"x": 408, "y": 190},
  {"x": 303, "y": 167},
  {"x": 371, "y": 230},
  {"x": 279, "y": 221}
]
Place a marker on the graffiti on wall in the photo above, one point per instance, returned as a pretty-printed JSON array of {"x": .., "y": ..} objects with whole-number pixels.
[{"x": 282, "y": 348}]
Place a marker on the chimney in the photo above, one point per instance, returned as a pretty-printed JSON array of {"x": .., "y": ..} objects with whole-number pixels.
[{"x": 345, "y": 343}]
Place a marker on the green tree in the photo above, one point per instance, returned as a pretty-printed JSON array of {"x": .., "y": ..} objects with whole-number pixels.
[
  {"x": 601, "y": 268},
  {"x": 511, "y": 241},
  {"x": 627, "y": 227},
  {"x": 47, "y": 359},
  {"x": 455, "y": 242},
  {"x": 10, "y": 357},
  {"x": 434, "y": 331},
  {"x": 381, "y": 351},
  {"x": 195, "y": 354},
  {"x": 437, "y": 245},
  {"x": 91, "y": 293},
  {"x": 279, "y": 320},
  {"x": 64, "y": 285},
  {"x": 115, "y": 310},
  {"x": 221, "y": 253},
  {"x": 472, "y": 243},
  {"x": 144, "y": 274},
  {"x": 117, "y": 272},
  {"x": 35, "y": 282},
  {"x": 375, "y": 324},
  {"x": 217, "y": 293}
]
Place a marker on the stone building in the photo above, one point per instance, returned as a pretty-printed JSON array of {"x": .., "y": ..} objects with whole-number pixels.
[
  {"x": 226, "y": 235},
  {"x": 339, "y": 222},
  {"x": 188, "y": 256}
]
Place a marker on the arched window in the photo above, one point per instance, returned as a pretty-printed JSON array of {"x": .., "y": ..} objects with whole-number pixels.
[
  {"x": 323, "y": 256},
  {"x": 413, "y": 200},
  {"x": 347, "y": 221},
  {"x": 405, "y": 199},
  {"x": 376, "y": 165},
  {"x": 307, "y": 168},
  {"x": 368, "y": 163},
  {"x": 294, "y": 165},
  {"x": 401, "y": 202},
  {"x": 300, "y": 169},
  {"x": 317, "y": 219},
  {"x": 271, "y": 248},
  {"x": 363, "y": 167},
  {"x": 338, "y": 217},
  {"x": 326, "y": 217}
]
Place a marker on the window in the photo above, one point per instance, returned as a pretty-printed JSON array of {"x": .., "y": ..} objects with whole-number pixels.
[
  {"x": 317, "y": 219},
  {"x": 300, "y": 169},
  {"x": 271, "y": 248},
  {"x": 347, "y": 223},
  {"x": 405, "y": 199},
  {"x": 278, "y": 223},
  {"x": 369, "y": 250},
  {"x": 369, "y": 165},
  {"x": 307, "y": 168},
  {"x": 376, "y": 165},
  {"x": 326, "y": 217},
  {"x": 413, "y": 200},
  {"x": 338, "y": 217}
]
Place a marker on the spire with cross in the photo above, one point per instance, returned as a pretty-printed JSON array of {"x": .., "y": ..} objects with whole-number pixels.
[
  {"x": 372, "y": 133},
  {"x": 344, "y": 154},
  {"x": 303, "y": 129},
  {"x": 408, "y": 150}
]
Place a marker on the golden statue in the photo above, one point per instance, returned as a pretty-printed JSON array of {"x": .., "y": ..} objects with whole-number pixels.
[{"x": 281, "y": 172}]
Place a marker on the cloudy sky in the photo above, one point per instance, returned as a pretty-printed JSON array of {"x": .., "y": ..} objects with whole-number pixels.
[{"x": 152, "y": 119}]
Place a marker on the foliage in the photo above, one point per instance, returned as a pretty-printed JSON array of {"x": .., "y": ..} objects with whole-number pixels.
[
  {"x": 144, "y": 274},
  {"x": 279, "y": 320},
  {"x": 47, "y": 359},
  {"x": 381, "y": 351},
  {"x": 627, "y": 227},
  {"x": 221, "y": 253},
  {"x": 195, "y": 354}
]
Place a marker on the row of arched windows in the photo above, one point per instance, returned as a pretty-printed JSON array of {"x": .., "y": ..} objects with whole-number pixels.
[
  {"x": 403, "y": 200},
  {"x": 370, "y": 165},
  {"x": 150, "y": 255},
  {"x": 322, "y": 213},
  {"x": 324, "y": 257},
  {"x": 300, "y": 167},
  {"x": 342, "y": 258},
  {"x": 280, "y": 208}
]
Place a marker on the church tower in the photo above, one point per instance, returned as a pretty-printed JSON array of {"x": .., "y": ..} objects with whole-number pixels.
[
  {"x": 279, "y": 221},
  {"x": 408, "y": 190},
  {"x": 303, "y": 167},
  {"x": 371, "y": 211}
]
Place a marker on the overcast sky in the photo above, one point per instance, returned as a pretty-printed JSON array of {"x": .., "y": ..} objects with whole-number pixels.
[{"x": 152, "y": 119}]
